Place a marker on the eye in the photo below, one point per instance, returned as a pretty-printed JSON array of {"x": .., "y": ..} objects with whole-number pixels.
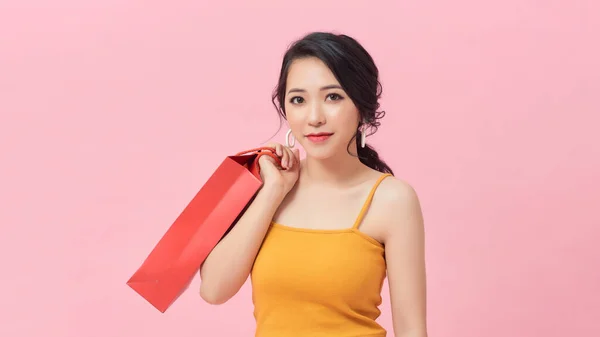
[
  {"x": 296, "y": 100},
  {"x": 334, "y": 97}
]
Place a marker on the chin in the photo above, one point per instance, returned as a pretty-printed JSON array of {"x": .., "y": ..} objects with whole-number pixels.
[{"x": 320, "y": 152}]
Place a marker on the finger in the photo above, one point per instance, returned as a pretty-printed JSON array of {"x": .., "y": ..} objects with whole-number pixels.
[
  {"x": 295, "y": 158},
  {"x": 262, "y": 161},
  {"x": 285, "y": 158},
  {"x": 275, "y": 147},
  {"x": 278, "y": 149},
  {"x": 291, "y": 158}
]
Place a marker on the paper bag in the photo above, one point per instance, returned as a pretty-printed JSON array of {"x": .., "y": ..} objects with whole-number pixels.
[{"x": 171, "y": 265}]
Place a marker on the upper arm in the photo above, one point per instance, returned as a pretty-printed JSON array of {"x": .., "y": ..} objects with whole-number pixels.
[{"x": 405, "y": 256}]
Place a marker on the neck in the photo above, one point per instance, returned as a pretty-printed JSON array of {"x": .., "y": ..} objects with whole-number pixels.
[{"x": 341, "y": 170}]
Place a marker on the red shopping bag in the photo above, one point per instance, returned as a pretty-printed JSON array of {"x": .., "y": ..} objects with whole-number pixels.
[{"x": 174, "y": 261}]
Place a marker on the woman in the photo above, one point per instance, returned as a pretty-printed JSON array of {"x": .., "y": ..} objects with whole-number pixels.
[{"x": 322, "y": 233}]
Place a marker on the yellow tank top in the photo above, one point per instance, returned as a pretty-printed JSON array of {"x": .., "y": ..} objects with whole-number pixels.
[{"x": 313, "y": 282}]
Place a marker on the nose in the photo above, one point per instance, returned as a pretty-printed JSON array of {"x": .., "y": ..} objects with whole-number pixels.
[{"x": 316, "y": 117}]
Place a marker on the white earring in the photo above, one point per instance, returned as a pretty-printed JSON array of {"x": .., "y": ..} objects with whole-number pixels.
[
  {"x": 363, "y": 138},
  {"x": 289, "y": 143}
]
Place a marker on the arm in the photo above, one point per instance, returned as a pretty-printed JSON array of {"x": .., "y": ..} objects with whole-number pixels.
[
  {"x": 405, "y": 257},
  {"x": 228, "y": 265}
]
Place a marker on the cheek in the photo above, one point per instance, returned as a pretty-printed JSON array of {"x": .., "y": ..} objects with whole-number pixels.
[
  {"x": 344, "y": 118},
  {"x": 295, "y": 121},
  {"x": 293, "y": 117}
]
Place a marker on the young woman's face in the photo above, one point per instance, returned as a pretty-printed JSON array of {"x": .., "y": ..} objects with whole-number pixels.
[{"x": 322, "y": 117}]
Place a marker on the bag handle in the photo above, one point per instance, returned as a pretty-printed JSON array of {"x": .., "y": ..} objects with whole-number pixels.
[{"x": 257, "y": 151}]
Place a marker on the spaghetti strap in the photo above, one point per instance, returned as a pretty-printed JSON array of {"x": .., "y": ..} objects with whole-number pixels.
[{"x": 367, "y": 203}]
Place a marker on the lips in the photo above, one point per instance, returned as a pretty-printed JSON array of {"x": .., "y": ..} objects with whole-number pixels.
[{"x": 319, "y": 137}]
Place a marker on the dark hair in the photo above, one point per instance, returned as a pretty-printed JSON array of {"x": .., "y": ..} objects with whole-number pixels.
[{"x": 356, "y": 72}]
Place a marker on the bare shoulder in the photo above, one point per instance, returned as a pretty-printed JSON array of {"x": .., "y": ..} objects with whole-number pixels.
[
  {"x": 396, "y": 206},
  {"x": 396, "y": 192}
]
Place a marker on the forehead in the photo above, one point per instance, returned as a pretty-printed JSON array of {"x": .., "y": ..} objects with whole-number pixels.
[{"x": 308, "y": 73}]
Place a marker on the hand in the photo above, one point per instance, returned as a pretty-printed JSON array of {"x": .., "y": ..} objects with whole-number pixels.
[{"x": 281, "y": 178}]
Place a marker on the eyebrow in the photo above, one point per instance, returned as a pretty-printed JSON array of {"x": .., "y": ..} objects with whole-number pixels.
[{"x": 327, "y": 87}]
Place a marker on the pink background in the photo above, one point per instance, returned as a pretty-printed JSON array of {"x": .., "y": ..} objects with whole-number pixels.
[{"x": 113, "y": 114}]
